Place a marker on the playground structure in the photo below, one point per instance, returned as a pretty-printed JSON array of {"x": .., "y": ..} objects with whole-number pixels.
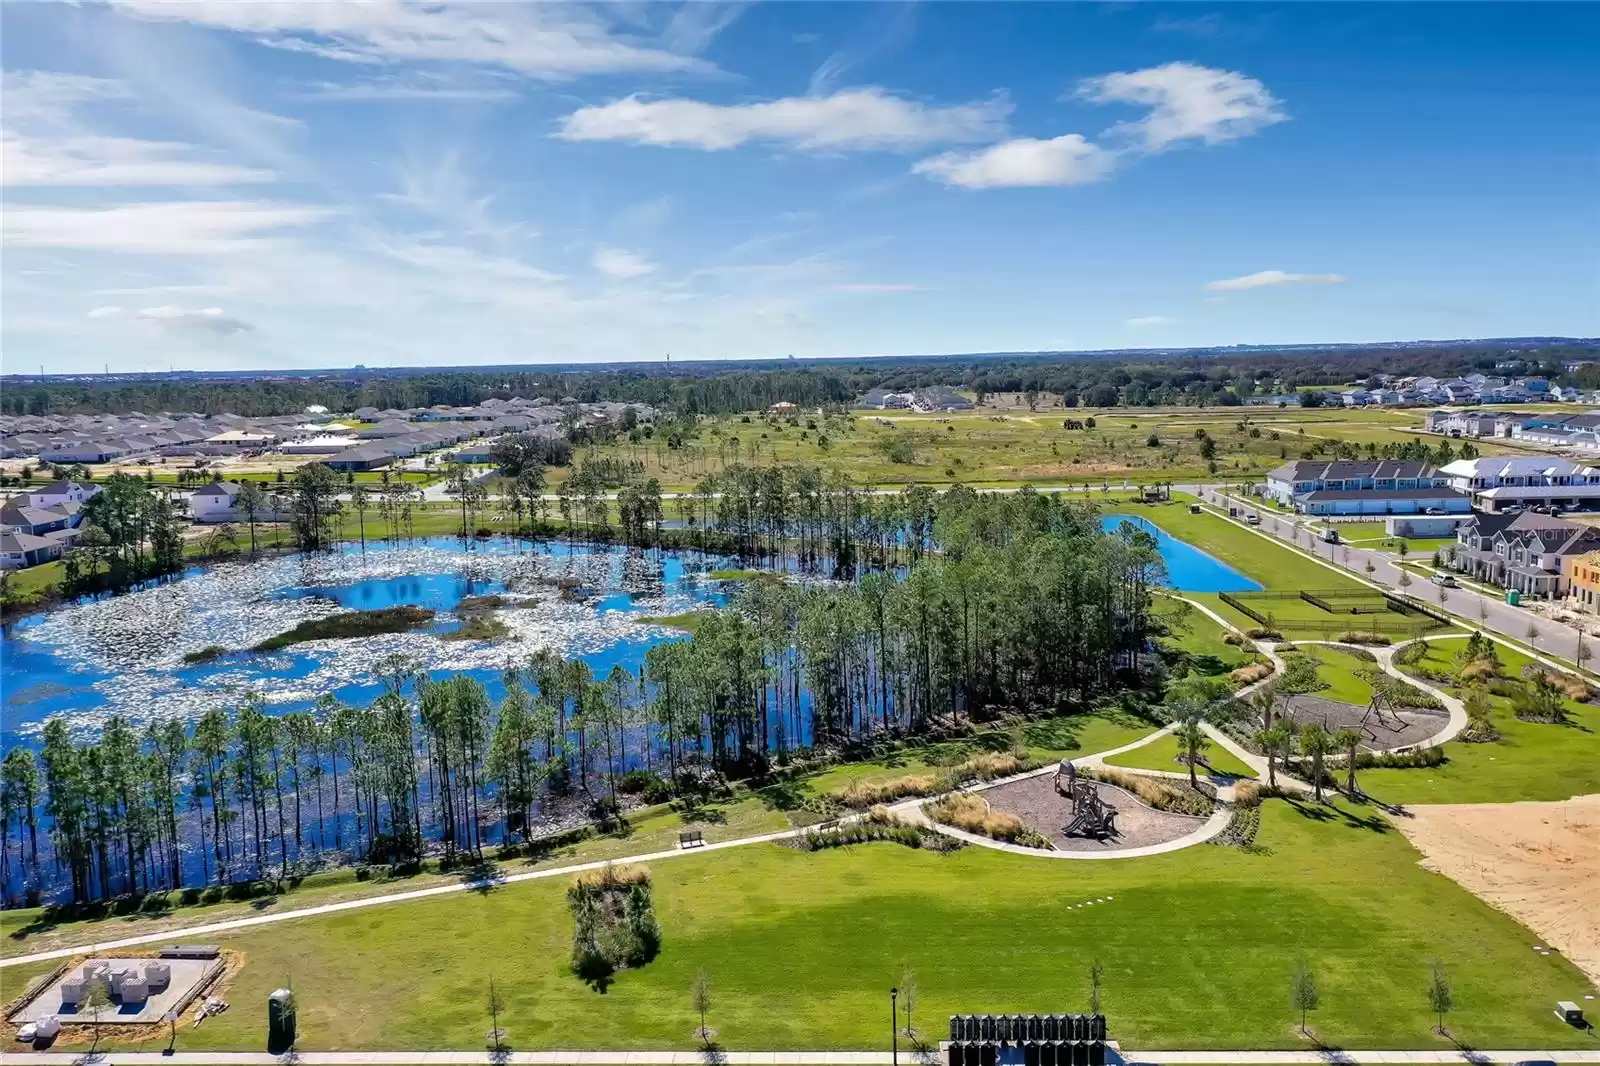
[{"x": 1089, "y": 814}]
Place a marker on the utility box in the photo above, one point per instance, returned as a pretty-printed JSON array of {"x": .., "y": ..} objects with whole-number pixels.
[
  {"x": 1570, "y": 1013},
  {"x": 280, "y": 1021}
]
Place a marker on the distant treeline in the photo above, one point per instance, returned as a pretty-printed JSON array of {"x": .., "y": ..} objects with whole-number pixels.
[{"x": 722, "y": 388}]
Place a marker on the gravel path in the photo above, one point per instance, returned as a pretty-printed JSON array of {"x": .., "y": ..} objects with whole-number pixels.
[{"x": 1035, "y": 801}]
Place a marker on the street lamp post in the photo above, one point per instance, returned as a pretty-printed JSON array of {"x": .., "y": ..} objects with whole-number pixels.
[{"x": 894, "y": 1032}]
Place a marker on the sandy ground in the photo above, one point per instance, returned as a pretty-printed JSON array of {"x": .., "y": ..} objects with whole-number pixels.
[{"x": 1538, "y": 862}]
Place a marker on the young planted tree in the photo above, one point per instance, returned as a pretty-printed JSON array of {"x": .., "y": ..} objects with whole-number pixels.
[
  {"x": 497, "y": 1035},
  {"x": 1097, "y": 974},
  {"x": 700, "y": 999},
  {"x": 1440, "y": 999},
  {"x": 1303, "y": 992},
  {"x": 908, "y": 994}
]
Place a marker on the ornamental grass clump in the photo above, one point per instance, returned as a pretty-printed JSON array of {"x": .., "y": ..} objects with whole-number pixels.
[{"x": 973, "y": 814}]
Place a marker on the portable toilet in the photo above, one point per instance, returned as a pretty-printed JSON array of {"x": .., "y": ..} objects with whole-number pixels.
[
  {"x": 280, "y": 1021},
  {"x": 1513, "y": 597}
]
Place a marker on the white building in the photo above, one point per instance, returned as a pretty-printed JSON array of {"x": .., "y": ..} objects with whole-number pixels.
[
  {"x": 217, "y": 502},
  {"x": 1497, "y": 482}
]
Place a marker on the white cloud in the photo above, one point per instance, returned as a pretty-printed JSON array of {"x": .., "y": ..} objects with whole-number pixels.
[
  {"x": 1187, "y": 102},
  {"x": 551, "y": 41},
  {"x": 1264, "y": 278},
  {"x": 1149, "y": 321},
  {"x": 402, "y": 91},
  {"x": 94, "y": 160},
  {"x": 869, "y": 118},
  {"x": 1070, "y": 159},
  {"x": 620, "y": 264},
  {"x": 204, "y": 319},
  {"x": 183, "y": 228}
]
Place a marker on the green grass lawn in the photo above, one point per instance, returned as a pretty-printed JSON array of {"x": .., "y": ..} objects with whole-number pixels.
[
  {"x": 1338, "y": 668},
  {"x": 1162, "y": 754},
  {"x": 1197, "y": 945},
  {"x": 1199, "y": 639},
  {"x": 1532, "y": 761},
  {"x": 1272, "y": 564}
]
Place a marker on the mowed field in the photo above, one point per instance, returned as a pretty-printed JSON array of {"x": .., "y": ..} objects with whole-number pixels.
[{"x": 800, "y": 949}]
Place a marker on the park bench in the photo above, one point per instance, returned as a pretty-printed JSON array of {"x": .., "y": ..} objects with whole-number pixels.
[
  {"x": 823, "y": 827},
  {"x": 692, "y": 839}
]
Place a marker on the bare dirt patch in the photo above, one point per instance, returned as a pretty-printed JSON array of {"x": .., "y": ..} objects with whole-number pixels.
[
  {"x": 1400, "y": 727},
  {"x": 1538, "y": 862},
  {"x": 1036, "y": 802}
]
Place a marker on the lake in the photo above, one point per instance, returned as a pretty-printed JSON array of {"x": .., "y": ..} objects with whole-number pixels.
[
  {"x": 1188, "y": 568},
  {"x": 124, "y": 654}
]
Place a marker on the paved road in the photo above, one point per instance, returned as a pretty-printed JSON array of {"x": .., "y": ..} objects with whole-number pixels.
[
  {"x": 1473, "y": 1057},
  {"x": 1491, "y": 612}
]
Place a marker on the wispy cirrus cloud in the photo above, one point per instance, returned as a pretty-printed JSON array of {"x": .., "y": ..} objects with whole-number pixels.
[
  {"x": 1149, "y": 321},
  {"x": 617, "y": 263},
  {"x": 172, "y": 228},
  {"x": 1263, "y": 279},
  {"x": 203, "y": 319},
  {"x": 549, "y": 41},
  {"x": 852, "y": 119}
]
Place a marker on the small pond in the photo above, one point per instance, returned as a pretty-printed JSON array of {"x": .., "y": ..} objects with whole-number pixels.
[{"x": 1188, "y": 568}]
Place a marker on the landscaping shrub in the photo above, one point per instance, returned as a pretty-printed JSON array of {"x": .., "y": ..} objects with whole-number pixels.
[
  {"x": 1359, "y": 653},
  {"x": 649, "y": 787},
  {"x": 1539, "y": 700},
  {"x": 972, "y": 813},
  {"x": 1482, "y": 670},
  {"x": 1412, "y": 652},
  {"x": 1398, "y": 693},
  {"x": 1250, "y": 673},
  {"x": 1357, "y": 636},
  {"x": 205, "y": 654},
  {"x": 1263, "y": 633},
  {"x": 1247, "y": 793},
  {"x": 1164, "y": 794},
  {"x": 1572, "y": 686},
  {"x": 614, "y": 920},
  {"x": 983, "y": 767},
  {"x": 1234, "y": 637}
]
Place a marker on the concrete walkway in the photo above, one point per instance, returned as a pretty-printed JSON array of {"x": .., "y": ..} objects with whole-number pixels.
[
  {"x": 191, "y": 933},
  {"x": 769, "y": 1058}
]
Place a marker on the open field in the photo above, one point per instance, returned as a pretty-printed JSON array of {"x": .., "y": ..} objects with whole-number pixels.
[
  {"x": 1009, "y": 445},
  {"x": 1532, "y": 761},
  {"x": 1199, "y": 639},
  {"x": 1198, "y": 946},
  {"x": 1162, "y": 754}
]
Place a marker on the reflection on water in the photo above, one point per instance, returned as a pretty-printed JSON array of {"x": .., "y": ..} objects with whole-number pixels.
[{"x": 125, "y": 654}]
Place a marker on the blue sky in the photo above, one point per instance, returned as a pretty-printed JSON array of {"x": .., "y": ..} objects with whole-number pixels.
[{"x": 221, "y": 184}]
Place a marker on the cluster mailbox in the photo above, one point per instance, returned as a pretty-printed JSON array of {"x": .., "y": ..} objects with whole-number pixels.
[{"x": 1041, "y": 1039}]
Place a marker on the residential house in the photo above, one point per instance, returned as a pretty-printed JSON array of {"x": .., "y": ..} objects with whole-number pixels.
[
  {"x": 1363, "y": 487},
  {"x": 216, "y": 502},
  {"x": 19, "y": 550},
  {"x": 1528, "y": 552},
  {"x": 1583, "y": 582},
  {"x": 1497, "y": 482}
]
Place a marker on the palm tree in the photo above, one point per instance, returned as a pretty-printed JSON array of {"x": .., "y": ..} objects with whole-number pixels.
[
  {"x": 1349, "y": 741},
  {"x": 1193, "y": 741},
  {"x": 1274, "y": 744},
  {"x": 1316, "y": 743}
]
